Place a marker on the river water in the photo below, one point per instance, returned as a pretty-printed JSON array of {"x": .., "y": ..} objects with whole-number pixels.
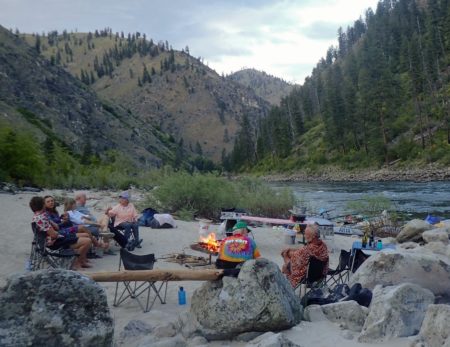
[{"x": 413, "y": 199}]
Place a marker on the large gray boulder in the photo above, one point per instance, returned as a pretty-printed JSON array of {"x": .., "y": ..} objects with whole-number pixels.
[
  {"x": 260, "y": 299},
  {"x": 412, "y": 231},
  {"x": 54, "y": 308},
  {"x": 395, "y": 311},
  {"x": 435, "y": 330},
  {"x": 271, "y": 339},
  {"x": 436, "y": 235},
  {"x": 348, "y": 314},
  {"x": 391, "y": 268}
]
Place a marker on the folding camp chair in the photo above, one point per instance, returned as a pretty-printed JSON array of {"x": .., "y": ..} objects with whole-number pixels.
[
  {"x": 341, "y": 274},
  {"x": 119, "y": 236},
  {"x": 314, "y": 277},
  {"x": 358, "y": 257},
  {"x": 42, "y": 257},
  {"x": 133, "y": 289}
]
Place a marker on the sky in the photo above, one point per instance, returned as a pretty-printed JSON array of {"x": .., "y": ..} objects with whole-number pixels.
[{"x": 285, "y": 38}]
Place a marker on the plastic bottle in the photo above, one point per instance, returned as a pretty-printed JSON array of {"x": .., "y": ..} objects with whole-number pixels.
[
  {"x": 181, "y": 296},
  {"x": 379, "y": 245}
]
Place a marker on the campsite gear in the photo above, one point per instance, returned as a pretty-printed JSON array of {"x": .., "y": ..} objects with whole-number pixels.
[
  {"x": 432, "y": 219},
  {"x": 181, "y": 296},
  {"x": 204, "y": 227},
  {"x": 362, "y": 296},
  {"x": 289, "y": 236},
  {"x": 147, "y": 216}
]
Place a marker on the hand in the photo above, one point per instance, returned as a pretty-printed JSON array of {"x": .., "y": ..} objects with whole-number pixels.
[{"x": 109, "y": 208}]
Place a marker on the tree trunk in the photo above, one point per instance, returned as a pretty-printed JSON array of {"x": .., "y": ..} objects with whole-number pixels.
[{"x": 156, "y": 275}]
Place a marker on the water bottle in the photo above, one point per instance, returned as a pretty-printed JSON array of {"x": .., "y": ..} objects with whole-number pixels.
[
  {"x": 181, "y": 296},
  {"x": 379, "y": 245}
]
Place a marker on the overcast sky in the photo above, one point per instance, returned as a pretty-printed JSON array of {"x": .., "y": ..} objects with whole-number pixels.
[{"x": 285, "y": 38}]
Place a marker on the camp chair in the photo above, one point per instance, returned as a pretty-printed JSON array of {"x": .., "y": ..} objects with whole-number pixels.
[
  {"x": 42, "y": 257},
  {"x": 314, "y": 277},
  {"x": 119, "y": 236},
  {"x": 133, "y": 289},
  {"x": 358, "y": 257},
  {"x": 341, "y": 274}
]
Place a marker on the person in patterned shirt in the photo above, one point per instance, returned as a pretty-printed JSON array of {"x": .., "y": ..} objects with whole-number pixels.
[
  {"x": 55, "y": 239},
  {"x": 236, "y": 249},
  {"x": 296, "y": 260}
]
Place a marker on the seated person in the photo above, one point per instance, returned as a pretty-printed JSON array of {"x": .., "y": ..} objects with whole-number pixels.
[
  {"x": 125, "y": 217},
  {"x": 236, "y": 249},
  {"x": 296, "y": 261},
  {"x": 80, "y": 199},
  {"x": 55, "y": 240}
]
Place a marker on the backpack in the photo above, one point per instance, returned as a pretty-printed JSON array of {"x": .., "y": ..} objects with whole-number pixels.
[{"x": 147, "y": 216}]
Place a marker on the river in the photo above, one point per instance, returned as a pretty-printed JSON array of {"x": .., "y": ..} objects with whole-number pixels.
[{"x": 412, "y": 199}]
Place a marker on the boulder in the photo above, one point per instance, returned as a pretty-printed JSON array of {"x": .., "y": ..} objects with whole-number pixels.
[
  {"x": 412, "y": 231},
  {"x": 435, "y": 330},
  {"x": 348, "y": 314},
  {"x": 54, "y": 308},
  {"x": 259, "y": 299},
  {"x": 436, "y": 235},
  {"x": 395, "y": 311},
  {"x": 134, "y": 329},
  {"x": 271, "y": 339},
  {"x": 436, "y": 247},
  {"x": 408, "y": 245},
  {"x": 314, "y": 313},
  {"x": 391, "y": 268}
]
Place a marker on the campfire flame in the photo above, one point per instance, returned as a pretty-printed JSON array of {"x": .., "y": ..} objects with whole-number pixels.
[{"x": 210, "y": 243}]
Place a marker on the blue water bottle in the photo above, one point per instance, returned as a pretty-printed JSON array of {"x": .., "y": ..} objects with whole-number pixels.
[
  {"x": 181, "y": 296},
  {"x": 379, "y": 245}
]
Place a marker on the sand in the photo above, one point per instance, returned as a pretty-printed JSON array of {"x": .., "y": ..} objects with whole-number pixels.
[{"x": 15, "y": 217}]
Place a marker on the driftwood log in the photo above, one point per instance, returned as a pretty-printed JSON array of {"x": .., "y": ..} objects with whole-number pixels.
[{"x": 156, "y": 275}]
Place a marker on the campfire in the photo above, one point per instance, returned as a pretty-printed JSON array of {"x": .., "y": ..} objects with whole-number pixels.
[{"x": 210, "y": 243}]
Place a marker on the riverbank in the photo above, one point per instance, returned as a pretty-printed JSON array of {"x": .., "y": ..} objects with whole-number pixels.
[{"x": 333, "y": 174}]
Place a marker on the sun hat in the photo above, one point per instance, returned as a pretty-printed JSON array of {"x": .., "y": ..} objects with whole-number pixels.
[
  {"x": 124, "y": 195},
  {"x": 241, "y": 225}
]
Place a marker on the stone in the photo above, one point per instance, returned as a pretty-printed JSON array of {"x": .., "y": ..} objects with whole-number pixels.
[
  {"x": 395, "y": 311},
  {"x": 54, "y": 308},
  {"x": 412, "y": 231},
  {"x": 135, "y": 328},
  {"x": 436, "y": 235},
  {"x": 259, "y": 299},
  {"x": 348, "y": 314},
  {"x": 197, "y": 341},
  {"x": 391, "y": 268},
  {"x": 314, "y": 313},
  {"x": 436, "y": 247},
  {"x": 347, "y": 334},
  {"x": 176, "y": 341},
  {"x": 435, "y": 330},
  {"x": 409, "y": 245},
  {"x": 271, "y": 339},
  {"x": 246, "y": 337},
  {"x": 167, "y": 330}
]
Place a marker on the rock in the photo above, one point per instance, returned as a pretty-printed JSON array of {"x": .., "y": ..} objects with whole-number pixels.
[
  {"x": 260, "y": 299},
  {"x": 391, "y": 268},
  {"x": 246, "y": 337},
  {"x": 435, "y": 330},
  {"x": 395, "y": 311},
  {"x": 167, "y": 330},
  {"x": 54, "y": 308},
  {"x": 436, "y": 247},
  {"x": 436, "y": 235},
  {"x": 271, "y": 339},
  {"x": 135, "y": 328},
  {"x": 412, "y": 231},
  {"x": 197, "y": 341},
  {"x": 409, "y": 245},
  {"x": 176, "y": 341},
  {"x": 314, "y": 313},
  {"x": 348, "y": 314},
  {"x": 348, "y": 335}
]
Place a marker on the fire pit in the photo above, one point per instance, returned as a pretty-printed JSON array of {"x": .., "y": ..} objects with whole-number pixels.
[{"x": 208, "y": 245}]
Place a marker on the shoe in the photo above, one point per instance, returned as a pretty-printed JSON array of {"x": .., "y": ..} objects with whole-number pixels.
[{"x": 109, "y": 252}]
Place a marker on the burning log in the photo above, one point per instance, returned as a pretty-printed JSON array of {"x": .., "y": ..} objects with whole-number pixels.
[{"x": 156, "y": 275}]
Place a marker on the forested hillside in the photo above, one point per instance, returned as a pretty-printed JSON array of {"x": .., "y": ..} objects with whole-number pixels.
[
  {"x": 171, "y": 89},
  {"x": 380, "y": 97}
]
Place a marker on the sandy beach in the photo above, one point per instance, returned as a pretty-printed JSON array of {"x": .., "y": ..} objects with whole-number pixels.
[{"x": 15, "y": 216}]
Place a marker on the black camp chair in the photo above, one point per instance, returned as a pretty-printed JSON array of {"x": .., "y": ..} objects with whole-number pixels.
[
  {"x": 134, "y": 289},
  {"x": 314, "y": 275},
  {"x": 341, "y": 274},
  {"x": 119, "y": 236},
  {"x": 43, "y": 257},
  {"x": 358, "y": 257}
]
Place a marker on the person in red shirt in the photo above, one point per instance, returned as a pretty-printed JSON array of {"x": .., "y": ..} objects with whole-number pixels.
[{"x": 296, "y": 260}]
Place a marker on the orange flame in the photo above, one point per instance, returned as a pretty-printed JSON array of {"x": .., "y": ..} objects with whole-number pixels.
[{"x": 210, "y": 242}]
